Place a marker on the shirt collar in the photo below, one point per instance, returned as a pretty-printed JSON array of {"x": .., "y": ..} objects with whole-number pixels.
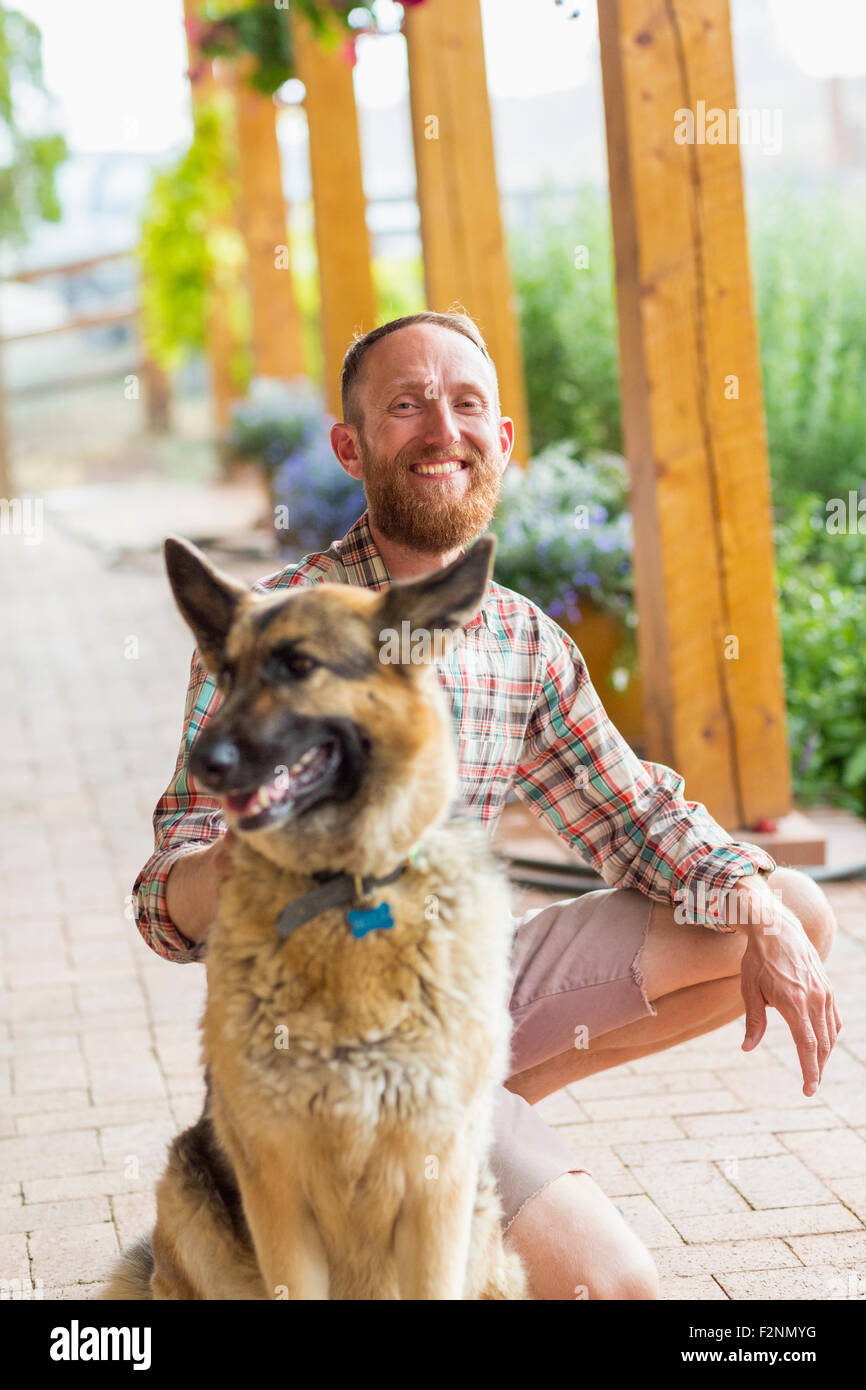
[{"x": 363, "y": 564}]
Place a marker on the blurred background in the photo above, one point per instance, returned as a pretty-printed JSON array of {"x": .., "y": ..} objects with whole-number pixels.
[
  {"x": 199, "y": 204},
  {"x": 127, "y": 311}
]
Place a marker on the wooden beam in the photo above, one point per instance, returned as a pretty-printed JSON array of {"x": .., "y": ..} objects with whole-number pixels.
[
  {"x": 70, "y": 267},
  {"x": 465, "y": 253},
  {"x": 348, "y": 301},
  {"x": 277, "y": 345},
  {"x": 221, "y": 344},
  {"x": 83, "y": 321},
  {"x": 692, "y": 412}
]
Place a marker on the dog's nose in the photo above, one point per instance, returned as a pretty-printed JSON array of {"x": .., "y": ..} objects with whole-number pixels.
[{"x": 217, "y": 761}]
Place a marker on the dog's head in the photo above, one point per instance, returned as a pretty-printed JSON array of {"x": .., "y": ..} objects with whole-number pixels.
[{"x": 332, "y": 745}]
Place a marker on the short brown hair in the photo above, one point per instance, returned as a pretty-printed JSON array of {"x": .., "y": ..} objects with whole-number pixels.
[{"x": 456, "y": 319}]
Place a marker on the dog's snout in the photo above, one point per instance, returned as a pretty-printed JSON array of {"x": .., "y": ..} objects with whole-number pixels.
[{"x": 216, "y": 761}]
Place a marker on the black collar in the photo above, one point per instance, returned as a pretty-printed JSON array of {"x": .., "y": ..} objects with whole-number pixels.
[{"x": 335, "y": 890}]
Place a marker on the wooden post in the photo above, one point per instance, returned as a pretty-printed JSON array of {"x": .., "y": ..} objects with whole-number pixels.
[
  {"x": 348, "y": 301},
  {"x": 692, "y": 412},
  {"x": 465, "y": 254},
  {"x": 157, "y": 396},
  {"x": 220, "y": 336},
  {"x": 276, "y": 322}
]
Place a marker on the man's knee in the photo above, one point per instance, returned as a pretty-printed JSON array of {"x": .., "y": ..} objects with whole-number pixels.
[
  {"x": 576, "y": 1245},
  {"x": 633, "y": 1277},
  {"x": 809, "y": 903}
]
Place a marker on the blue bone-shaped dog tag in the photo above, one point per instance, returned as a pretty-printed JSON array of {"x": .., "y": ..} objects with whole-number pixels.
[{"x": 364, "y": 919}]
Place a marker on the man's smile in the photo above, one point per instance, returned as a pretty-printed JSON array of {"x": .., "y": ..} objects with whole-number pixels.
[{"x": 442, "y": 468}]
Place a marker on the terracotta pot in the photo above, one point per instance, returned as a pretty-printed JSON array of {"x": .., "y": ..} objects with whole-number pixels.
[{"x": 598, "y": 635}]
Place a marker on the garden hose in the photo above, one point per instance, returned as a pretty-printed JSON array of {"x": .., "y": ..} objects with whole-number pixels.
[{"x": 552, "y": 876}]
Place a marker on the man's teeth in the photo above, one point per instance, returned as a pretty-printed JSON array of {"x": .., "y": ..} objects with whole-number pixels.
[{"x": 450, "y": 467}]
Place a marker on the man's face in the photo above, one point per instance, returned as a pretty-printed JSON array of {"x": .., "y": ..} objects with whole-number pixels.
[{"x": 428, "y": 396}]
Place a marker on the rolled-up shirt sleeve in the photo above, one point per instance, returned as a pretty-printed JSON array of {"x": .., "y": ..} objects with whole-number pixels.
[
  {"x": 184, "y": 820},
  {"x": 627, "y": 817}
]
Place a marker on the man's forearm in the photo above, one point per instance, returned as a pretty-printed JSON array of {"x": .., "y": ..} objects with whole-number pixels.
[{"x": 192, "y": 892}]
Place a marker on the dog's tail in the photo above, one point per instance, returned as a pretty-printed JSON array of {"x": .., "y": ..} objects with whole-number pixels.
[{"x": 131, "y": 1276}]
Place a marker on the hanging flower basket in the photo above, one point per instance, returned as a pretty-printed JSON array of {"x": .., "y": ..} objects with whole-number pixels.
[{"x": 261, "y": 31}]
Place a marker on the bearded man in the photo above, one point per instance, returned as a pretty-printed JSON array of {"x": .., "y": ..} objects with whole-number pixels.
[{"x": 598, "y": 980}]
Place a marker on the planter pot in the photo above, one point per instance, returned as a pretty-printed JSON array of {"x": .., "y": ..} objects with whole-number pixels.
[{"x": 598, "y": 635}]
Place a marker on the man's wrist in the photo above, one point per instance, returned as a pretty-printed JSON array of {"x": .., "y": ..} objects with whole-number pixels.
[{"x": 751, "y": 904}]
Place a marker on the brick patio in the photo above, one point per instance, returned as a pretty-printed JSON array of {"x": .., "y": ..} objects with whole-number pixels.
[{"x": 741, "y": 1186}]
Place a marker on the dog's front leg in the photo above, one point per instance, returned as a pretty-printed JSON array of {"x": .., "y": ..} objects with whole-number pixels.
[
  {"x": 287, "y": 1241},
  {"x": 433, "y": 1232}
]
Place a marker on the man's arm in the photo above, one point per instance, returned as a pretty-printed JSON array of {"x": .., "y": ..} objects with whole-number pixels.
[
  {"x": 627, "y": 817},
  {"x": 176, "y": 891},
  {"x": 192, "y": 888}
]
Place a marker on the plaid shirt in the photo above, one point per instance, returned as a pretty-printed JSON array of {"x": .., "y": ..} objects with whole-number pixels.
[{"x": 525, "y": 716}]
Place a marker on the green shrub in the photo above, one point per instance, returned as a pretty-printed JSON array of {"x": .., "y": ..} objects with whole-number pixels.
[
  {"x": 822, "y": 605},
  {"x": 808, "y": 253},
  {"x": 568, "y": 327},
  {"x": 188, "y": 243},
  {"x": 274, "y": 420},
  {"x": 808, "y": 256}
]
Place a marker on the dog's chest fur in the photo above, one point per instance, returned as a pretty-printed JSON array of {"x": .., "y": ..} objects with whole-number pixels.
[{"x": 405, "y": 1019}]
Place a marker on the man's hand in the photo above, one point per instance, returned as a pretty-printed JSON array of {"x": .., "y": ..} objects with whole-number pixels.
[
  {"x": 782, "y": 969},
  {"x": 193, "y": 887}
]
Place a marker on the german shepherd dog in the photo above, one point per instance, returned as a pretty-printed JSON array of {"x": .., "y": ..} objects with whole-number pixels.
[{"x": 351, "y": 1057}]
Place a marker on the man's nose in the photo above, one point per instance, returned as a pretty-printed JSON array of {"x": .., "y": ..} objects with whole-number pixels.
[
  {"x": 216, "y": 762},
  {"x": 441, "y": 425}
]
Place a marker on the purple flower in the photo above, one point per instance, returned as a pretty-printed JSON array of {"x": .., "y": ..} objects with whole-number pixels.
[
  {"x": 606, "y": 542},
  {"x": 808, "y": 753}
]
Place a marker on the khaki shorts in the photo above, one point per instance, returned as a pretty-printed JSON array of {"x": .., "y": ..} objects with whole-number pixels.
[{"x": 576, "y": 974}]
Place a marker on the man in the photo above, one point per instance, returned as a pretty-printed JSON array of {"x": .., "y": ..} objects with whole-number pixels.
[{"x": 692, "y": 928}]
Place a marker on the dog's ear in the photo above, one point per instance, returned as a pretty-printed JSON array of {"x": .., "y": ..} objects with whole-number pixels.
[
  {"x": 207, "y": 599},
  {"x": 443, "y": 601}
]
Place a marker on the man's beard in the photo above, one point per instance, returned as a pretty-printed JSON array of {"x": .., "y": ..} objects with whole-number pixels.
[{"x": 425, "y": 521}]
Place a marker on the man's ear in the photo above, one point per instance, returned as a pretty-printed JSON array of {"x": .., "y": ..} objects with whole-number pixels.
[
  {"x": 207, "y": 599},
  {"x": 443, "y": 601}
]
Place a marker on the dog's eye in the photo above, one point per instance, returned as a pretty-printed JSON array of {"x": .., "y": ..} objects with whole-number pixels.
[
  {"x": 226, "y": 677},
  {"x": 287, "y": 663}
]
